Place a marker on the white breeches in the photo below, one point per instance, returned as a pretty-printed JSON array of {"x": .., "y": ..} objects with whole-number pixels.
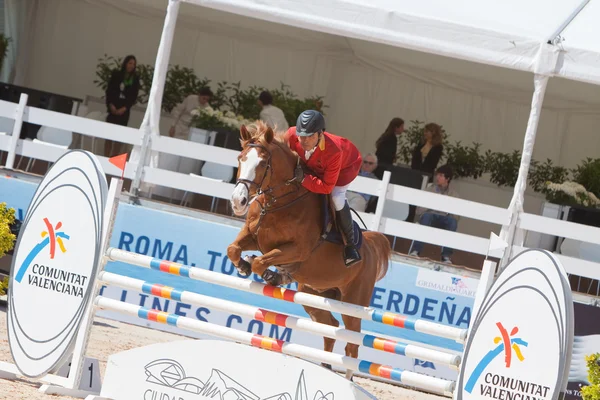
[{"x": 338, "y": 196}]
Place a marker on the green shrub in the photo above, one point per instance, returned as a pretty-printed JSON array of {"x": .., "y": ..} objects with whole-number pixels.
[
  {"x": 7, "y": 238},
  {"x": 588, "y": 175},
  {"x": 465, "y": 160},
  {"x": 592, "y": 391},
  {"x": 540, "y": 174}
]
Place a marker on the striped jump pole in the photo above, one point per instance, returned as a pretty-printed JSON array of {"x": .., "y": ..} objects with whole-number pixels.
[
  {"x": 305, "y": 299},
  {"x": 409, "y": 378},
  {"x": 284, "y": 320}
]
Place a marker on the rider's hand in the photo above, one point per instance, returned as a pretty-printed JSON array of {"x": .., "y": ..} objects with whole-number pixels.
[{"x": 299, "y": 173}]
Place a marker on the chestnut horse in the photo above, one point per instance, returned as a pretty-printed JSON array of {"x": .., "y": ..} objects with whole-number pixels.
[{"x": 284, "y": 222}]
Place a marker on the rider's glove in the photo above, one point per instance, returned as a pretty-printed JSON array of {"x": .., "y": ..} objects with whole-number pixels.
[{"x": 299, "y": 174}]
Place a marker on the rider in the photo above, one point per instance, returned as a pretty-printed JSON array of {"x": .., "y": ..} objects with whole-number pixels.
[{"x": 335, "y": 162}]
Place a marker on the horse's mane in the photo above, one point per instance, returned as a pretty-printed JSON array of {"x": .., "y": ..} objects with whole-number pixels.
[{"x": 257, "y": 132}]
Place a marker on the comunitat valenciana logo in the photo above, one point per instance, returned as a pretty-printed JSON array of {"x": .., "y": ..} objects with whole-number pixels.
[
  {"x": 458, "y": 282},
  {"x": 495, "y": 385},
  {"x": 48, "y": 274}
]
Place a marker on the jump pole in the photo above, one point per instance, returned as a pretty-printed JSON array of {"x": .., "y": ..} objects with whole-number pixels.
[
  {"x": 284, "y": 320},
  {"x": 409, "y": 378},
  {"x": 305, "y": 299}
]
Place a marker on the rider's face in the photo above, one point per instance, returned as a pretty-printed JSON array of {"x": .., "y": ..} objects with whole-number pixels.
[{"x": 309, "y": 142}]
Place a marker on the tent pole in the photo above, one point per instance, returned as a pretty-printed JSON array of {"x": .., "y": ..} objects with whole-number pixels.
[
  {"x": 151, "y": 124},
  {"x": 545, "y": 66},
  {"x": 555, "y": 35},
  {"x": 515, "y": 208}
]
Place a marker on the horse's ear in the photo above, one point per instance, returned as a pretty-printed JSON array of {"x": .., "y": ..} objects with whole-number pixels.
[
  {"x": 245, "y": 135},
  {"x": 269, "y": 135}
]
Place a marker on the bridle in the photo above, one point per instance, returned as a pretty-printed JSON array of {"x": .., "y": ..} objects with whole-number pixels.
[{"x": 269, "y": 199}]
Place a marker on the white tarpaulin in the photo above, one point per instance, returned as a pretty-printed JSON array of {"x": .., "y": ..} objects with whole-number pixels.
[
  {"x": 528, "y": 40},
  {"x": 506, "y": 33}
]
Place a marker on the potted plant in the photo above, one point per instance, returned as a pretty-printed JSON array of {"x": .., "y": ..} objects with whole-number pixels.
[
  {"x": 4, "y": 41},
  {"x": 592, "y": 391},
  {"x": 214, "y": 120},
  {"x": 465, "y": 160},
  {"x": 541, "y": 173},
  {"x": 7, "y": 221},
  {"x": 8, "y": 226}
]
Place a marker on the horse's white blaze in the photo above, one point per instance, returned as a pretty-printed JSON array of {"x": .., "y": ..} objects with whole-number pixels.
[
  {"x": 248, "y": 166},
  {"x": 240, "y": 195}
]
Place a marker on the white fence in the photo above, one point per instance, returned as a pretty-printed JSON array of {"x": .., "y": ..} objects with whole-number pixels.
[{"x": 383, "y": 189}]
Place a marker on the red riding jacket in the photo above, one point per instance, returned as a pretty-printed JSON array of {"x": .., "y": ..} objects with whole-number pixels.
[{"x": 335, "y": 162}]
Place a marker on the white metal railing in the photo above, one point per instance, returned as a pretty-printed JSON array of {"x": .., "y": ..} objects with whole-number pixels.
[
  {"x": 385, "y": 191},
  {"x": 452, "y": 205},
  {"x": 550, "y": 226}
]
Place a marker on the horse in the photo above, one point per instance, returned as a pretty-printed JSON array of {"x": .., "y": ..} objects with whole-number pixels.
[{"x": 286, "y": 223}]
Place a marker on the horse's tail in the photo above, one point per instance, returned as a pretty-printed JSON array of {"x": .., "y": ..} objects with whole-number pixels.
[{"x": 382, "y": 251}]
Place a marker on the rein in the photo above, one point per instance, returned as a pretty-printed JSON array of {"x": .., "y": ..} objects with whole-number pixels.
[{"x": 267, "y": 205}]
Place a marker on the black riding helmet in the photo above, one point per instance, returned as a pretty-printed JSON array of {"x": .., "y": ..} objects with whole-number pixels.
[{"x": 309, "y": 122}]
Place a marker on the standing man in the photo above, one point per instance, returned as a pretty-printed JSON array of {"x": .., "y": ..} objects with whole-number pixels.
[{"x": 271, "y": 115}]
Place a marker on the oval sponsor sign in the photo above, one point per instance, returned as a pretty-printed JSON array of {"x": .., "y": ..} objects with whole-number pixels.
[
  {"x": 54, "y": 263},
  {"x": 521, "y": 339}
]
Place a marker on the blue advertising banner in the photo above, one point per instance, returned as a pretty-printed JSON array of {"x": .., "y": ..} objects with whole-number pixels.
[{"x": 17, "y": 194}]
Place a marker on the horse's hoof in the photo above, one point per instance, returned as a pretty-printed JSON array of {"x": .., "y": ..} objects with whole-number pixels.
[
  {"x": 272, "y": 278},
  {"x": 244, "y": 268},
  {"x": 328, "y": 366}
]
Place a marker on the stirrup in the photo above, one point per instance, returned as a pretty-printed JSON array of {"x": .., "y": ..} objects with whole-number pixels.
[{"x": 351, "y": 259}]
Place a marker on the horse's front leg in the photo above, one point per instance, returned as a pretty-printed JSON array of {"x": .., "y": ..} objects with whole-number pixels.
[
  {"x": 242, "y": 242},
  {"x": 287, "y": 253}
]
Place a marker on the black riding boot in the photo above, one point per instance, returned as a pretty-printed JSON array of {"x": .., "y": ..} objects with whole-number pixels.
[{"x": 344, "y": 218}]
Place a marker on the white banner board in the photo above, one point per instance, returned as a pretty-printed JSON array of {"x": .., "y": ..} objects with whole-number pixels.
[
  {"x": 54, "y": 262},
  {"x": 220, "y": 370},
  {"x": 521, "y": 339}
]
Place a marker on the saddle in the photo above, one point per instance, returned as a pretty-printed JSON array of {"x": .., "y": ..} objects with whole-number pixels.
[{"x": 331, "y": 231}]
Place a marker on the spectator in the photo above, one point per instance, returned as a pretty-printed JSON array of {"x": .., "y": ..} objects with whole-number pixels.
[
  {"x": 358, "y": 201},
  {"x": 426, "y": 155},
  {"x": 182, "y": 112},
  {"x": 439, "y": 219},
  {"x": 271, "y": 115},
  {"x": 121, "y": 94},
  {"x": 387, "y": 145}
]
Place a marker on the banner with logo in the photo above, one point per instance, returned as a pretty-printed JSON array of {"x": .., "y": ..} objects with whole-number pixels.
[
  {"x": 54, "y": 262},
  {"x": 521, "y": 340}
]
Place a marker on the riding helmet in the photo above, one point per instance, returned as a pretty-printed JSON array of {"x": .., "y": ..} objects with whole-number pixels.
[{"x": 309, "y": 122}]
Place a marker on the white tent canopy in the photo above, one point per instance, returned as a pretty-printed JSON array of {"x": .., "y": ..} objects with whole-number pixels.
[
  {"x": 506, "y": 34},
  {"x": 490, "y": 35}
]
